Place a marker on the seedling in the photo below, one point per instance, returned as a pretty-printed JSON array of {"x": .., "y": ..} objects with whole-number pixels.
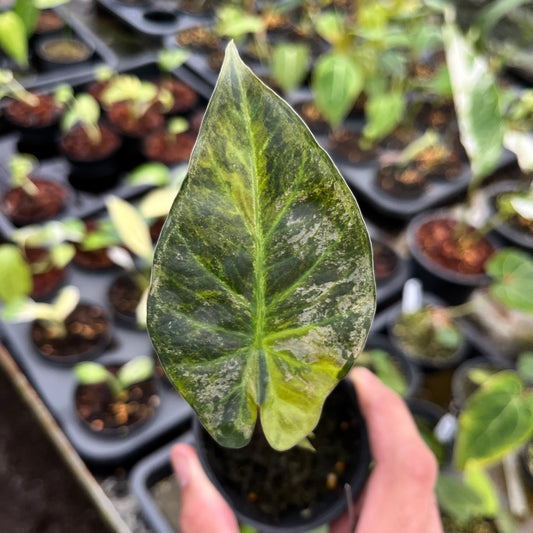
[
  {"x": 139, "y": 95},
  {"x": 82, "y": 110},
  {"x": 20, "y": 167},
  {"x": 53, "y": 315},
  {"x": 15, "y": 274},
  {"x": 135, "y": 371}
]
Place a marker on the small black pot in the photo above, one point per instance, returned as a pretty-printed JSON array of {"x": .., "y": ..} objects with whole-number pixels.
[
  {"x": 460, "y": 392},
  {"x": 49, "y": 62},
  {"x": 454, "y": 287},
  {"x": 295, "y": 520},
  {"x": 428, "y": 364},
  {"x": 510, "y": 233}
]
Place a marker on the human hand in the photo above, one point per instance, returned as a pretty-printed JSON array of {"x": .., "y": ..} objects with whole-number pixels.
[{"x": 398, "y": 495}]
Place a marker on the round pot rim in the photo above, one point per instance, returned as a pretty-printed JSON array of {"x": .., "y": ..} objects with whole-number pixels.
[
  {"x": 40, "y": 51},
  {"x": 520, "y": 238},
  {"x": 458, "y": 278},
  {"x": 358, "y": 479},
  {"x": 89, "y": 354},
  {"x": 123, "y": 319}
]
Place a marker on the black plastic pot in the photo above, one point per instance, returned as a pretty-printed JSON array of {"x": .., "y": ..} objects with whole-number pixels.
[
  {"x": 409, "y": 371},
  {"x": 294, "y": 520},
  {"x": 460, "y": 388},
  {"x": 452, "y": 286},
  {"x": 509, "y": 232},
  {"x": 428, "y": 363},
  {"x": 49, "y": 61}
]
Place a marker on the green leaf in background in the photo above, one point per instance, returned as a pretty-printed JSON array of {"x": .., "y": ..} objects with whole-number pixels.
[
  {"x": 262, "y": 286},
  {"x": 524, "y": 366},
  {"x": 476, "y": 99},
  {"x": 15, "y": 274},
  {"x": 170, "y": 59},
  {"x": 138, "y": 369},
  {"x": 131, "y": 227},
  {"x": 383, "y": 112},
  {"x": 383, "y": 365},
  {"x": 234, "y": 23},
  {"x": 13, "y": 39},
  {"x": 152, "y": 173},
  {"x": 330, "y": 26},
  {"x": 511, "y": 271},
  {"x": 337, "y": 82},
  {"x": 28, "y": 13},
  {"x": 468, "y": 499},
  {"x": 289, "y": 64},
  {"x": 497, "y": 419}
]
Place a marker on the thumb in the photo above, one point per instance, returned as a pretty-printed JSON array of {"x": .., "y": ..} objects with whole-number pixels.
[{"x": 203, "y": 510}]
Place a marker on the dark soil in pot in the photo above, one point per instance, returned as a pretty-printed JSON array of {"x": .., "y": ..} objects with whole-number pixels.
[
  {"x": 399, "y": 138},
  {"x": 93, "y": 164},
  {"x": 38, "y": 124},
  {"x": 23, "y": 208},
  {"x": 57, "y": 52},
  {"x": 402, "y": 181},
  {"x": 295, "y": 490},
  {"x": 126, "y": 123},
  {"x": 47, "y": 282},
  {"x": 169, "y": 148},
  {"x": 345, "y": 145},
  {"x": 198, "y": 38},
  {"x": 386, "y": 260},
  {"x": 88, "y": 334},
  {"x": 448, "y": 265},
  {"x": 77, "y": 146},
  {"x": 24, "y": 115},
  {"x": 184, "y": 97},
  {"x": 124, "y": 296},
  {"x": 103, "y": 413},
  {"x": 467, "y": 256},
  {"x": 478, "y": 525}
]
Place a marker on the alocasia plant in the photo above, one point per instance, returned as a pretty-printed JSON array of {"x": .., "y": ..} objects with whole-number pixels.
[{"x": 262, "y": 289}]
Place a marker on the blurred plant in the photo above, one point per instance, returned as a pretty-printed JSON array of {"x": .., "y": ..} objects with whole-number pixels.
[{"x": 135, "y": 371}]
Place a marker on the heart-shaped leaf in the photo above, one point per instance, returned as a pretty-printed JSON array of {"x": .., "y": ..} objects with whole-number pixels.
[
  {"x": 497, "y": 419},
  {"x": 262, "y": 287}
]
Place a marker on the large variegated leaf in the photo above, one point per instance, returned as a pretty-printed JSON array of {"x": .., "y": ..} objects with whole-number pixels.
[
  {"x": 262, "y": 287},
  {"x": 476, "y": 99}
]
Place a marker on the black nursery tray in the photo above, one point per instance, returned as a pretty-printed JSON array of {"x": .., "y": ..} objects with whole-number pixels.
[
  {"x": 37, "y": 78},
  {"x": 56, "y": 383},
  {"x": 82, "y": 204},
  {"x": 154, "y": 19}
]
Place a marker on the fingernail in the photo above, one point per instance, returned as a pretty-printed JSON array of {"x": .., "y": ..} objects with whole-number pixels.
[{"x": 181, "y": 466}]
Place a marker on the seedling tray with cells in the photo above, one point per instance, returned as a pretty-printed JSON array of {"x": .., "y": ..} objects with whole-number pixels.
[
  {"x": 56, "y": 384},
  {"x": 153, "y": 19},
  {"x": 82, "y": 199}
]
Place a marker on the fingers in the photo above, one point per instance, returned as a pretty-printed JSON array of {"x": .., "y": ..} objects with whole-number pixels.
[
  {"x": 399, "y": 494},
  {"x": 203, "y": 510}
]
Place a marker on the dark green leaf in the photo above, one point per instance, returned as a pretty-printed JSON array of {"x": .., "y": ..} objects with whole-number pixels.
[
  {"x": 262, "y": 287},
  {"x": 457, "y": 499},
  {"x": 28, "y": 13}
]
